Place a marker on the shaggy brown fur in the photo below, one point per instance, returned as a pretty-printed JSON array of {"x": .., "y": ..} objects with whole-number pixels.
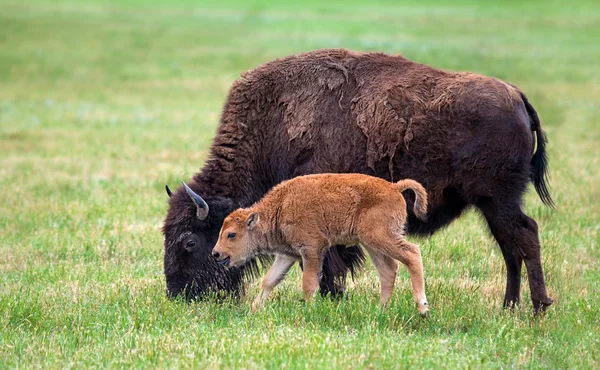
[
  {"x": 471, "y": 140},
  {"x": 301, "y": 218}
]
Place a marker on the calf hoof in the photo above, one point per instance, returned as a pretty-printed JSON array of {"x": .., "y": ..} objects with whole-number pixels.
[
  {"x": 423, "y": 310},
  {"x": 256, "y": 307}
]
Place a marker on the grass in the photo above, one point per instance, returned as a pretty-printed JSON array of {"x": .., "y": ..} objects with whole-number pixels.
[{"x": 104, "y": 102}]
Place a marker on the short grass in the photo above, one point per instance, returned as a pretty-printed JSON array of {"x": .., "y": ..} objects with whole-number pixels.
[{"x": 104, "y": 102}]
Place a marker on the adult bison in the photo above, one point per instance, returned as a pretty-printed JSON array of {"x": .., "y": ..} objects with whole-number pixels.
[{"x": 469, "y": 139}]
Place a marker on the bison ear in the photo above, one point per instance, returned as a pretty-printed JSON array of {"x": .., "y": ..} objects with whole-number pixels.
[
  {"x": 201, "y": 205},
  {"x": 169, "y": 192},
  {"x": 252, "y": 220}
]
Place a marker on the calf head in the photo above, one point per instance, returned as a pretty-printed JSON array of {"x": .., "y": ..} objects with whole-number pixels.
[{"x": 236, "y": 243}]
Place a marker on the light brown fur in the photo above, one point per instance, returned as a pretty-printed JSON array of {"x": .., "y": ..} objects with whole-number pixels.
[{"x": 301, "y": 218}]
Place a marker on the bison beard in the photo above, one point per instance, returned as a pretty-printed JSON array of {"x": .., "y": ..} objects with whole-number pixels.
[{"x": 469, "y": 139}]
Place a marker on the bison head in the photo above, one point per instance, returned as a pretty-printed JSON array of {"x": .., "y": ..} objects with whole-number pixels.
[{"x": 191, "y": 230}]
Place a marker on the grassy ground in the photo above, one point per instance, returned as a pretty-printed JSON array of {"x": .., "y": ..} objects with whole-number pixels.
[{"x": 102, "y": 103}]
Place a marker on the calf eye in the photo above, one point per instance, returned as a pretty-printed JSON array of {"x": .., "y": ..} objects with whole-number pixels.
[
  {"x": 231, "y": 236},
  {"x": 190, "y": 244}
]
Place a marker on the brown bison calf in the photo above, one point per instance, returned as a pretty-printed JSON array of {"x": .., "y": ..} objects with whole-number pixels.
[{"x": 301, "y": 218}]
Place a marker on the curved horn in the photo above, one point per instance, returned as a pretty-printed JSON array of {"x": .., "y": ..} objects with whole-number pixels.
[
  {"x": 202, "y": 211},
  {"x": 169, "y": 192}
]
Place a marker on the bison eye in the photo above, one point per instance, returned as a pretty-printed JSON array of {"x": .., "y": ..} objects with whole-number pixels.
[
  {"x": 190, "y": 244},
  {"x": 231, "y": 236}
]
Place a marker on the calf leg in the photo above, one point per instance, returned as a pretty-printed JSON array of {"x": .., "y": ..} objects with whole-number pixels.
[
  {"x": 274, "y": 276},
  {"x": 517, "y": 235},
  {"x": 407, "y": 253},
  {"x": 311, "y": 268},
  {"x": 410, "y": 255},
  {"x": 387, "y": 267}
]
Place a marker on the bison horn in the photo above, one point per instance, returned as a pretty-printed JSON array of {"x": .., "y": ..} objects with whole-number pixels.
[
  {"x": 169, "y": 192},
  {"x": 202, "y": 211}
]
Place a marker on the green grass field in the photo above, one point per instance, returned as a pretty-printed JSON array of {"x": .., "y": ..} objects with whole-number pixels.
[{"x": 103, "y": 102}]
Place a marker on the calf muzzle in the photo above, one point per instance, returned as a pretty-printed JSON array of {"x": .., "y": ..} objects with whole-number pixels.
[{"x": 221, "y": 259}]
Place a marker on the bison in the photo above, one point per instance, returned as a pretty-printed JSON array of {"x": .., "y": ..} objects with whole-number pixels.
[
  {"x": 300, "y": 219},
  {"x": 469, "y": 139}
]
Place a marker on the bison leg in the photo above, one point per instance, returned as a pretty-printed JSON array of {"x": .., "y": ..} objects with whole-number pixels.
[
  {"x": 405, "y": 252},
  {"x": 338, "y": 260},
  {"x": 311, "y": 268},
  {"x": 410, "y": 255},
  {"x": 517, "y": 235},
  {"x": 512, "y": 259},
  {"x": 530, "y": 245},
  {"x": 387, "y": 268},
  {"x": 274, "y": 276}
]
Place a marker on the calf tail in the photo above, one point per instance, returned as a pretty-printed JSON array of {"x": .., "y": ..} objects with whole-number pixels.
[
  {"x": 420, "y": 206},
  {"x": 539, "y": 161}
]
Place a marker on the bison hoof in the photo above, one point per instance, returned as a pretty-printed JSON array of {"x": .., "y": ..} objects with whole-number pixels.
[{"x": 540, "y": 307}]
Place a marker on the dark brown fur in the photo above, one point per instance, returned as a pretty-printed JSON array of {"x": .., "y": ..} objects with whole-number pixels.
[{"x": 469, "y": 139}]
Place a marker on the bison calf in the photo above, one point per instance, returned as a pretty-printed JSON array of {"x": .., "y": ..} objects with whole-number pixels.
[{"x": 301, "y": 218}]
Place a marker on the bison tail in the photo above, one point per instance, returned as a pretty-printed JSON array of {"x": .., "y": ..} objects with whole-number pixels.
[
  {"x": 539, "y": 161},
  {"x": 420, "y": 206}
]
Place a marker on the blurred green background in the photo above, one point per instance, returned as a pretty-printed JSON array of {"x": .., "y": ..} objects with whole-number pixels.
[{"x": 102, "y": 103}]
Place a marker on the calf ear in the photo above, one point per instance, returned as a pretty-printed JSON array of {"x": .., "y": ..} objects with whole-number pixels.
[{"x": 252, "y": 220}]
